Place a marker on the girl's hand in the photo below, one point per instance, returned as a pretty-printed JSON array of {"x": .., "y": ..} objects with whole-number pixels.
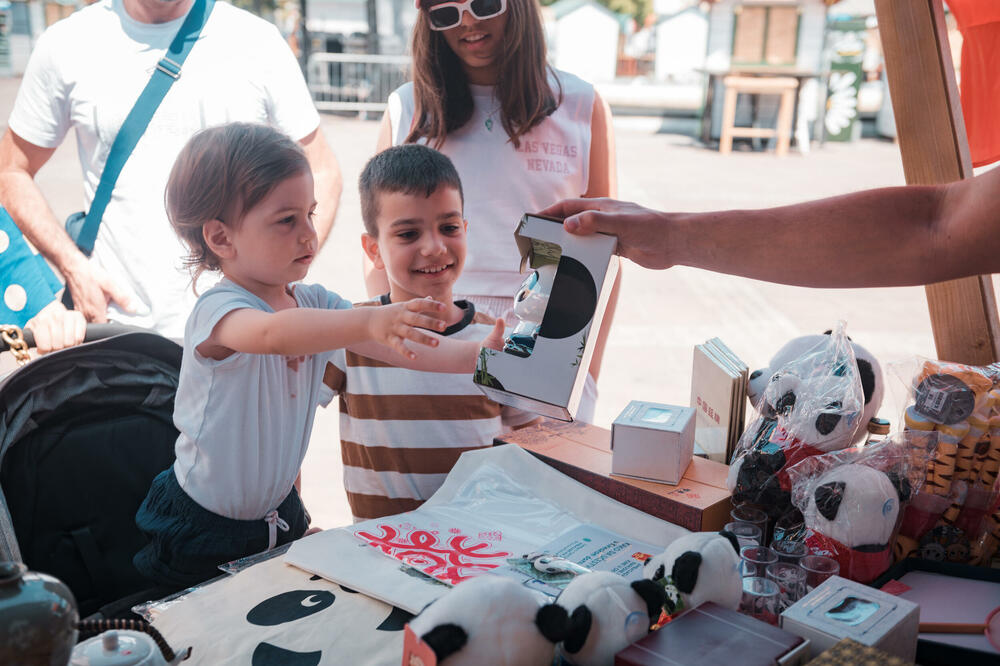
[
  {"x": 495, "y": 339},
  {"x": 393, "y": 324}
]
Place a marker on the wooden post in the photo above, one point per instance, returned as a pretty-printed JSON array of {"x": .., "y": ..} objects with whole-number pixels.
[{"x": 935, "y": 150}]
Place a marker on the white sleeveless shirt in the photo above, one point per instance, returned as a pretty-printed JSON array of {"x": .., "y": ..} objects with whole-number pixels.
[{"x": 502, "y": 183}]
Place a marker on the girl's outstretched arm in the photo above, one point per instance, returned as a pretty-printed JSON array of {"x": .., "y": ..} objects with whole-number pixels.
[
  {"x": 298, "y": 331},
  {"x": 455, "y": 356}
]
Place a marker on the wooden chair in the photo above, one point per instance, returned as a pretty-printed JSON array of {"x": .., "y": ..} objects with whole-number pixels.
[{"x": 758, "y": 85}]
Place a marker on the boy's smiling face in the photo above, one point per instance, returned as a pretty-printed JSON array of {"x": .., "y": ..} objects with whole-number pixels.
[{"x": 420, "y": 243}]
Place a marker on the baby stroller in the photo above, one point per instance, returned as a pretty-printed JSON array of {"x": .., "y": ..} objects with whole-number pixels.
[{"x": 83, "y": 431}]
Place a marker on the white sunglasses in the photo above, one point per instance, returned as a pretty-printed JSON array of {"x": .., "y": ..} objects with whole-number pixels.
[{"x": 447, "y": 15}]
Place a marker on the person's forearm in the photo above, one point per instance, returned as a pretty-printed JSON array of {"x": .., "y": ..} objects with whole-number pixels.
[
  {"x": 453, "y": 356},
  {"x": 327, "y": 182},
  {"x": 328, "y": 189},
  {"x": 301, "y": 331},
  {"x": 888, "y": 237},
  {"x": 32, "y": 214}
]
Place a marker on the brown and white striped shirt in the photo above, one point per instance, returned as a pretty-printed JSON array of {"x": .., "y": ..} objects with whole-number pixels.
[{"x": 402, "y": 430}]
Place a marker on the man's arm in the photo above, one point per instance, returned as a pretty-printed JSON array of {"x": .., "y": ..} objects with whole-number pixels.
[
  {"x": 327, "y": 179},
  {"x": 20, "y": 160},
  {"x": 376, "y": 281},
  {"x": 887, "y": 237}
]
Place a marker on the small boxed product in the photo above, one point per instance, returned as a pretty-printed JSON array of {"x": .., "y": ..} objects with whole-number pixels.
[
  {"x": 559, "y": 307},
  {"x": 652, "y": 441},
  {"x": 840, "y": 608},
  {"x": 712, "y": 635}
]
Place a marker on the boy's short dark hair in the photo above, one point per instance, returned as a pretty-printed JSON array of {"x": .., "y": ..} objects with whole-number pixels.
[{"x": 411, "y": 169}]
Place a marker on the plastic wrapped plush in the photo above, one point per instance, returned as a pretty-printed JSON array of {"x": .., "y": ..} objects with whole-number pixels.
[
  {"x": 811, "y": 405},
  {"x": 851, "y": 501},
  {"x": 955, "y": 516}
]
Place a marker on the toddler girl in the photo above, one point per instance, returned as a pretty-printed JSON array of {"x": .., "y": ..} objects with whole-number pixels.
[{"x": 256, "y": 346}]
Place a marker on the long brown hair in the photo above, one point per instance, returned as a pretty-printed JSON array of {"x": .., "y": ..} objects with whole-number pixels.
[{"x": 443, "y": 100}]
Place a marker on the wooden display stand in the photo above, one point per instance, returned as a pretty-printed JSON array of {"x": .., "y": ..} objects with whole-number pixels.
[
  {"x": 700, "y": 502},
  {"x": 935, "y": 150}
]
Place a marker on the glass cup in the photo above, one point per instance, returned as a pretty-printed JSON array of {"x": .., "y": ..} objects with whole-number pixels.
[
  {"x": 755, "y": 560},
  {"x": 789, "y": 551},
  {"x": 760, "y": 599},
  {"x": 791, "y": 582},
  {"x": 744, "y": 513},
  {"x": 818, "y": 568},
  {"x": 747, "y": 534}
]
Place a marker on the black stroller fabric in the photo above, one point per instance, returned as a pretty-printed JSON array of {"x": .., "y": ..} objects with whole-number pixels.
[{"x": 82, "y": 434}]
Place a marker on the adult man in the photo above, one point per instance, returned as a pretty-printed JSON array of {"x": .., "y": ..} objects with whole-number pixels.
[
  {"x": 888, "y": 237},
  {"x": 86, "y": 72}
]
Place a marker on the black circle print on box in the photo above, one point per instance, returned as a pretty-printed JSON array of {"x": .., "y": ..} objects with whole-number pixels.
[{"x": 572, "y": 302}]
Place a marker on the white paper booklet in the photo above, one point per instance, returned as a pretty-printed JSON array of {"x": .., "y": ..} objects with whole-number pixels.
[{"x": 496, "y": 505}]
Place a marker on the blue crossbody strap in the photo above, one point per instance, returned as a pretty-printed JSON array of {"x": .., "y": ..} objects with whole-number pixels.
[{"x": 167, "y": 71}]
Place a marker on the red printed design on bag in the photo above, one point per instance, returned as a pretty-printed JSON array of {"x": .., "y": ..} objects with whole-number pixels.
[{"x": 453, "y": 561}]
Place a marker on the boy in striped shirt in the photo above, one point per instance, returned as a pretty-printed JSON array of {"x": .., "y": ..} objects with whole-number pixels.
[{"x": 402, "y": 430}]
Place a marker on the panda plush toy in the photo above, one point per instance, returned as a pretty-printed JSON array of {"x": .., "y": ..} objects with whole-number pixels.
[
  {"x": 702, "y": 566},
  {"x": 814, "y": 398},
  {"x": 491, "y": 620},
  {"x": 869, "y": 371},
  {"x": 607, "y": 613},
  {"x": 850, "y": 512}
]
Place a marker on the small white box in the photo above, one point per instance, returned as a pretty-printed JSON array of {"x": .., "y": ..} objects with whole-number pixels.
[
  {"x": 653, "y": 442},
  {"x": 544, "y": 363},
  {"x": 841, "y": 608}
]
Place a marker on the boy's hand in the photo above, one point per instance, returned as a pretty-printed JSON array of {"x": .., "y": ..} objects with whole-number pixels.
[
  {"x": 392, "y": 324},
  {"x": 495, "y": 339}
]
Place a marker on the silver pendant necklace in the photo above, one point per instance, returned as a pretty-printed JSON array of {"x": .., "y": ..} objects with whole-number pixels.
[{"x": 489, "y": 118}]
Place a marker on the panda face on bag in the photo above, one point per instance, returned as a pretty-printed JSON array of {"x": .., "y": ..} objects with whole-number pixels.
[
  {"x": 855, "y": 505},
  {"x": 811, "y": 410}
]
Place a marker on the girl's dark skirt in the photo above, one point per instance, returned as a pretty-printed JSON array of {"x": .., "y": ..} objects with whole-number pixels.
[{"x": 188, "y": 542}]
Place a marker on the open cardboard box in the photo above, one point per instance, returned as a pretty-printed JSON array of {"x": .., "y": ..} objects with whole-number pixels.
[
  {"x": 699, "y": 502},
  {"x": 545, "y": 373}
]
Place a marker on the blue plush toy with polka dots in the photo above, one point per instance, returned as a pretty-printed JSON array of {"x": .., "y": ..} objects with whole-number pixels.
[{"x": 27, "y": 284}]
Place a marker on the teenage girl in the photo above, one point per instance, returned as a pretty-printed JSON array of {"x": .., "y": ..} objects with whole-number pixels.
[
  {"x": 256, "y": 346},
  {"x": 521, "y": 134}
]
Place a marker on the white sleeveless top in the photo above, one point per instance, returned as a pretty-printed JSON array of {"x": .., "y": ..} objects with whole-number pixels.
[{"x": 502, "y": 183}]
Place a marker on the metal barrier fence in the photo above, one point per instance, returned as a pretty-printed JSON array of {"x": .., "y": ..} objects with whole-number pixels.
[{"x": 354, "y": 82}]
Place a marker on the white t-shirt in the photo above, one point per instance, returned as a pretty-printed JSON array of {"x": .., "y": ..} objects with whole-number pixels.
[
  {"x": 87, "y": 71},
  {"x": 245, "y": 421},
  {"x": 502, "y": 183}
]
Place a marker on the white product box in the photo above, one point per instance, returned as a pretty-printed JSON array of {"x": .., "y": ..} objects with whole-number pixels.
[
  {"x": 543, "y": 367},
  {"x": 652, "y": 441},
  {"x": 841, "y": 608}
]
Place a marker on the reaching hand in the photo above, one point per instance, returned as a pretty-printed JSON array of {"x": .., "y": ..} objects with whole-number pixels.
[
  {"x": 495, "y": 338},
  {"x": 92, "y": 290},
  {"x": 56, "y": 328},
  {"x": 391, "y": 325},
  {"x": 642, "y": 233}
]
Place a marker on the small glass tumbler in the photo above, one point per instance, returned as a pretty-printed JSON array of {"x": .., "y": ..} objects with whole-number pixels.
[
  {"x": 791, "y": 581},
  {"x": 789, "y": 551},
  {"x": 755, "y": 560},
  {"x": 747, "y": 534},
  {"x": 760, "y": 599},
  {"x": 744, "y": 513},
  {"x": 818, "y": 568}
]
